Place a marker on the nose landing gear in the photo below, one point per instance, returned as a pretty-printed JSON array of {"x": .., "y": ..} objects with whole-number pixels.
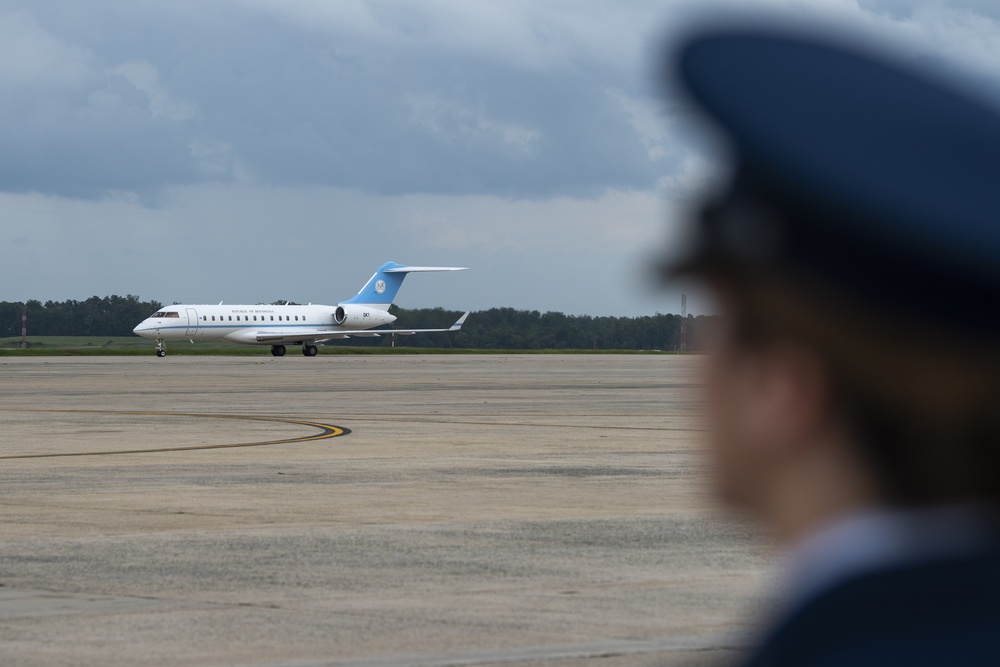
[{"x": 161, "y": 350}]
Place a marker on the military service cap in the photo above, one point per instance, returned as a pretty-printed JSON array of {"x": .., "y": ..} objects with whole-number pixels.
[{"x": 851, "y": 169}]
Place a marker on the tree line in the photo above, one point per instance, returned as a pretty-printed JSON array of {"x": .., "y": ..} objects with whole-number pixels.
[
  {"x": 512, "y": 329},
  {"x": 493, "y": 329},
  {"x": 97, "y": 316}
]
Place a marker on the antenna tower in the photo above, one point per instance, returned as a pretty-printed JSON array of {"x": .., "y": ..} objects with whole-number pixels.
[{"x": 684, "y": 322}]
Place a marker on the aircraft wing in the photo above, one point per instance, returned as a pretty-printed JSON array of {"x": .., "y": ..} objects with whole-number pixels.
[
  {"x": 318, "y": 335},
  {"x": 409, "y": 332},
  {"x": 294, "y": 336}
]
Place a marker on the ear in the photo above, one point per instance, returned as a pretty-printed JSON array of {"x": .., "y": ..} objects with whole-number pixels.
[{"x": 788, "y": 401}]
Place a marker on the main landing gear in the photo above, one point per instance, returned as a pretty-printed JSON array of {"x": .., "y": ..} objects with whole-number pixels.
[
  {"x": 161, "y": 350},
  {"x": 307, "y": 349}
]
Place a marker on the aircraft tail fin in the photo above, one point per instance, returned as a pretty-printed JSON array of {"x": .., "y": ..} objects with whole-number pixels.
[{"x": 380, "y": 290}]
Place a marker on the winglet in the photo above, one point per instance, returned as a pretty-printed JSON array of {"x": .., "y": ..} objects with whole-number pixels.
[{"x": 458, "y": 325}]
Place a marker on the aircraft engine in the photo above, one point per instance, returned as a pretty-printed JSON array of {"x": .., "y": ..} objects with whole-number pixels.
[{"x": 361, "y": 317}]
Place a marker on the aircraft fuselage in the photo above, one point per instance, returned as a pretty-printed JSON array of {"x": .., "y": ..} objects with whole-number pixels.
[{"x": 251, "y": 324}]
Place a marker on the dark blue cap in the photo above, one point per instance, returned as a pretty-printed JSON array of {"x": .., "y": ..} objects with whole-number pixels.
[{"x": 857, "y": 171}]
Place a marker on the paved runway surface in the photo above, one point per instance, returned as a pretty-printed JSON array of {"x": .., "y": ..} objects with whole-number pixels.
[{"x": 482, "y": 510}]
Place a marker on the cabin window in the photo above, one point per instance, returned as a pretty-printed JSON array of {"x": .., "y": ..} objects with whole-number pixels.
[
  {"x": 272, "y": 318},
  {"x": 254, "y": 318},
  {"x": 296, "y": 318}
]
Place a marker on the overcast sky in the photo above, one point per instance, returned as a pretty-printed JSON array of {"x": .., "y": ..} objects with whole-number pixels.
[{"x": 249, "y": 151}]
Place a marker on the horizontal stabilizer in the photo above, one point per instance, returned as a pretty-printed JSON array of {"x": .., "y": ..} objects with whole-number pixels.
[{"x": 424, "y": 269}]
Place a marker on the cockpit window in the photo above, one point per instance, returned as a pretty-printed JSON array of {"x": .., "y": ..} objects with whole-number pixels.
[{"x": 165, "y": 313}]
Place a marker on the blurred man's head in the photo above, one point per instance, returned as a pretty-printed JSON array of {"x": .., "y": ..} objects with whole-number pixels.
[
  {"x": 819, "y": 406},
  {"x": 856, "y": 257}
]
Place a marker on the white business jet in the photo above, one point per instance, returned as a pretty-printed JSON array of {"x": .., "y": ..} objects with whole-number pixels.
[{"x": 278, "y": 326}]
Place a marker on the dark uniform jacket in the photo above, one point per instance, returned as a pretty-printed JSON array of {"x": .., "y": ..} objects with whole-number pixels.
[{"x": 940, "y": 612}]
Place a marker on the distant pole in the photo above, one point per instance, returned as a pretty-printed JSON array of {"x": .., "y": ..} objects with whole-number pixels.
[
  {"x": 394, "y": 340},
  {"x": 684, "y": 324},
  {"x": 24, "y": 327}
]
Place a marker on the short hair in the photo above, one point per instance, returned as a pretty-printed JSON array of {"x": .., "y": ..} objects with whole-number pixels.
[{"x": 922, "y": 402}]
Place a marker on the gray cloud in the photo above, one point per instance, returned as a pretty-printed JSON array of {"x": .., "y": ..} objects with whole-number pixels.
[
  {"x": 905, "y": 10},
  {"x": 382, "y": 98},
  {"x": 520, "y": 99}
]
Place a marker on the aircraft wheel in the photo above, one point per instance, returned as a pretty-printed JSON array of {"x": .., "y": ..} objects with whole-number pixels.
[
  {"x": 309, "y": 350},
  {"x": 278, "y": 350},
  {"x": 161, "y": 353}
]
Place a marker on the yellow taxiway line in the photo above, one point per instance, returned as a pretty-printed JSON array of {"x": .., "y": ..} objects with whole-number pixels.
[{"x": 326, "y": 431}]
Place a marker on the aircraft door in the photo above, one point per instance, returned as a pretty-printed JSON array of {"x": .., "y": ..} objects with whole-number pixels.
[{"x": 192, "y": 322}]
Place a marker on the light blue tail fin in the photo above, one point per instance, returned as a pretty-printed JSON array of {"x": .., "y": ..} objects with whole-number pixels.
[{"x": 380, "y": 290}]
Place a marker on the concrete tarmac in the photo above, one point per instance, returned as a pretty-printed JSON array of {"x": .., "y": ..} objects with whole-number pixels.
[{"x": 483, "y": 510}]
